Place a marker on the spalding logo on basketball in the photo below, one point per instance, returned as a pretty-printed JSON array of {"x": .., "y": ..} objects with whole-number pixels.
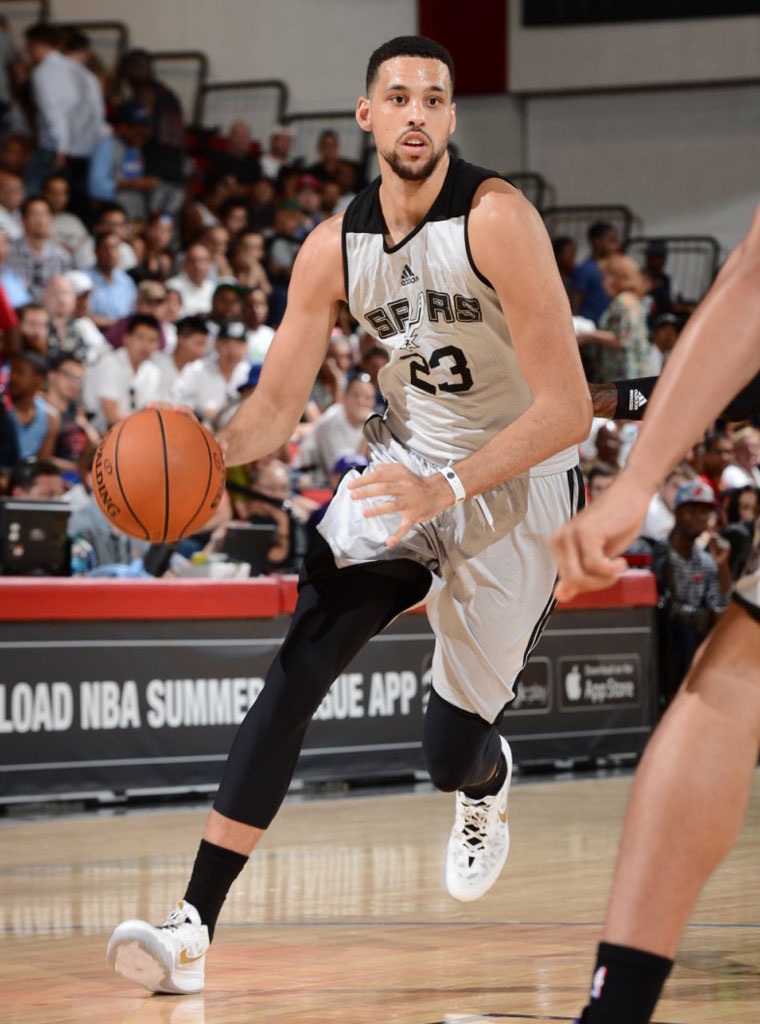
[{"x": 158, "y": 475}]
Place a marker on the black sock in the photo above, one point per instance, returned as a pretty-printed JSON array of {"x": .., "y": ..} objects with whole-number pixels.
[
  {"x": 492, "y": 786},
  {"x": 214, "y": 871},
  {"x": 626, "y": 986}
]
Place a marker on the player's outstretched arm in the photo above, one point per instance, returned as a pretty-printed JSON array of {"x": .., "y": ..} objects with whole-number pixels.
[
  {"x": 716, "y": 355},
  {"x": 268, "y": 417}
]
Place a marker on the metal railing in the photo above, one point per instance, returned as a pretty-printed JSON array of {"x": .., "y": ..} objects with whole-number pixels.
[
  {"x": 531, "y": 184},
  {"x": 185, "y": 72},
  {"x": 261, "y": 103},
  {"x": 691, "y": 262},
  {"x": 309, "y": 125},
  {"x": 574, "y": 221}
]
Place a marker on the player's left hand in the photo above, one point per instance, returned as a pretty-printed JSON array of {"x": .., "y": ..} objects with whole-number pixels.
[{"x": 417, "y": 498}]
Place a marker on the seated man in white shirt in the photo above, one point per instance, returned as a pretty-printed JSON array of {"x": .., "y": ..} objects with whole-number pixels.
[
  {"x": 192, "y": 341},
  {"x": 206, "y": 385},
  {"x": 128, "y": 379},
  {"x": 743, "y": 471},
  {"x": 339, "y": 431},
  {"x": 195, "y": 283}
]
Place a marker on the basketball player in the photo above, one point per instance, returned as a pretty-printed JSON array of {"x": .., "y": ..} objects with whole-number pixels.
[
  {"x": 471, "y": 470},
  {"x": 693, "y": 784}
]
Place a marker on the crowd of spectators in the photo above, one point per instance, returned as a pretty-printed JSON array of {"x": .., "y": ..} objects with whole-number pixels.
[
  {"x": 133, "y": 272},
  {"x": 702, "y": 530}
]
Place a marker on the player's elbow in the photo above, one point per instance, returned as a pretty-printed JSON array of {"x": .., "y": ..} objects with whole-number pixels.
[{"x": 580, "y": 414}]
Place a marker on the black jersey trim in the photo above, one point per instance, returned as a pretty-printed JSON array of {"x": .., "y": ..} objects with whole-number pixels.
[
  {"x": 468, "y": 250},
  {"x": 432, "y": 214},
  {"x": 344, "y": 254}
]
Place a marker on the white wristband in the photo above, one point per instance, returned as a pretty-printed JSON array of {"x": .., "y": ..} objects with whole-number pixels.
[{"x": 454, "y": 483}]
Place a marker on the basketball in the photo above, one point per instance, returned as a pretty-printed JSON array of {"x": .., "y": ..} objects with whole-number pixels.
[{"x": 158, "y": 475}]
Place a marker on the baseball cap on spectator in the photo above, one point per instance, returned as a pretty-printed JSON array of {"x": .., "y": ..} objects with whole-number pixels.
[
  {"x": 308, "y": 181},
  {"x": 695, "y": 492},
  {"x": 232, "y": 329},
  {"x": 291, "y": 204},
  {"x": 664, "y": 319},
  {"x": 79, "y": 281},
  {"x": 151, "y": 292},
  {"x": 132, "y": 112},
  {"x": 253, "y": 379},
  {"x": 350, "y": 461},
  {"x": 230, "y": 284}
]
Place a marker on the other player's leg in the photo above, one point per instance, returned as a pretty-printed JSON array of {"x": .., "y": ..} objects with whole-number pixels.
[
  {"x": 686, "y": 807},
  {"x": 337, "y": 613}
]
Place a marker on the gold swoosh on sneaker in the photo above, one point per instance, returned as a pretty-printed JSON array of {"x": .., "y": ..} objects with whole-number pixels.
[
  {"x": 185, "y": 959},
  {"x": 502, "y": 819}
]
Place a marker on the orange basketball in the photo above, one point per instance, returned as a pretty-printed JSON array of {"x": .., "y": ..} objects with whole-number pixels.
[{"x": 158, "y": 475}]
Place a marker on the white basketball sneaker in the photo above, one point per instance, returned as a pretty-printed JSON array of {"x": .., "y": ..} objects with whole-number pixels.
[
  {"x": 479, "y": 841},
  {"x": 163, "y": 958}
]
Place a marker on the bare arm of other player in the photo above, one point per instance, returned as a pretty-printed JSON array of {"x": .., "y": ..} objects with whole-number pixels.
[
  {"x": 701, "y": 376},
  {"x": 268, "y": 417},
  {"x": 511, "y": 249}
]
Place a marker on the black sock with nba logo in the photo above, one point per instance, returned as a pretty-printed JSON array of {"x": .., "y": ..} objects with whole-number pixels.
[
  {"x": 626, "y": 986},
  {"x": 214, "y": 871}
]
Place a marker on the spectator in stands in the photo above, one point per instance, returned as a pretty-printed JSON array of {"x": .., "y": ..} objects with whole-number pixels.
[
  {"x": 127, "y": 379},
  {"x": 15, "y": 154},
  {"x": 11, "y": 201},
  {"x": 261, "y": 205},
  {"x": 64, "y": 336},
  {"x": 331, "y": 166},
  {"x": 17, "y": 292},
  {"x": 63, "y": 396},
  {"x": 665, "y": 330},
  {"x": 233, "y": 215},
  {"x": 194, "y": 282},
  {"x": 283, "y": 249},
  {"x": 626, "y": 353},
  {"x": 280, "y": 144},
  {"x": 216, "y": 238},
  {"x": 714, "y": 454},
  {"x": 339, "y": 431},
  {"x": 114, "y": 292},
  {"x": 35, "y": 432},
  {"x": 330, "y": 198},
  {"x": 207, "y": 384},
  {"x": 70, "y": 114},
  {"x": 118, "y": 165},
  {"x": 151, "y": 299},
  {"x": 237, "y": 164},
  {"x": 607, "y": 446},
  {"x": 153, "y": 250},
  {"x": 34, "y": 328},
  {"x": 565, "y": 252},
  {"x": 111, "y": 217},
  {"x": 6, "y": 60},
  {"x": 93, "y": 338},
  {"x": 192, "y": 345},
  {"x": 741, "y": 532},
  {"x": 600, "y": 477},
  {"x": 36, "y": 478},
  {"x": 588, "y": 297},
  {"x": 660, "y": 519},
  {"x": 309, "y": 196},
  {"x": 258, "y": 334},
  {"x": 35, "y": 257},
  {"x": 743, "y": 470},
  {"x": 68, "y": 229},
  {"x": 372, "y": 362},
  {"x": 694, "y": 585},
  {"x": 248, "y": 257},
  {"x": 165, "y": 148},
  {"x": 657, "y": 281}
]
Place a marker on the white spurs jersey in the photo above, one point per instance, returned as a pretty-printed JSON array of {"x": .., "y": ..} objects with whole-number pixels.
[{"x": 453, "y": 381}]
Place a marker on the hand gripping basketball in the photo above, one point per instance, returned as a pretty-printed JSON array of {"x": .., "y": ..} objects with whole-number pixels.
[{"x": 158, "y": 475}]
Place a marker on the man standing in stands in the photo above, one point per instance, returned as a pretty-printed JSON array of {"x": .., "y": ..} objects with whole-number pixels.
[{"x": 588, "y": 296}]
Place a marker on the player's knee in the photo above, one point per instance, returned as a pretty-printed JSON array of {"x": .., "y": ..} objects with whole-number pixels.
[{"x": 445, "y": 771}]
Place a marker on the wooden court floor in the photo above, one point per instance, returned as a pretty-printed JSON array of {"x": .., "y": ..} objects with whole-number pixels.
[{"x": 341, "y": 916}]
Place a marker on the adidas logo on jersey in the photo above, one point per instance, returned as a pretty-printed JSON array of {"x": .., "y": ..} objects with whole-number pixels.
[
  {"x": 636, "y": 400},
  {"x": 408, "y": 276}
]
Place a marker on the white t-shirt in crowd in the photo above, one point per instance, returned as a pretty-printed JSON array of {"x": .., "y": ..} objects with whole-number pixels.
[
  {"x": 113, "y": 377},
  {"x": 169, "y": 375},
  {"x": 659, "y": 520},
  {"x": 258, "y": 343},
  {"x": 735, "y": 476},
  {"x": 196, "y": 299},
  {"x": 332, "y": 437},
  {"x": 202, "y": 386}
]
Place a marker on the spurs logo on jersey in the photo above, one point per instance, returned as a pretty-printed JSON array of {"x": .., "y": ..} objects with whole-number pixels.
[{"x": 453, "y": 381}]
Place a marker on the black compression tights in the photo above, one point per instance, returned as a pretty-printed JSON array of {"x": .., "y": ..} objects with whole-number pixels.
[{"x": 338, "y": 611}]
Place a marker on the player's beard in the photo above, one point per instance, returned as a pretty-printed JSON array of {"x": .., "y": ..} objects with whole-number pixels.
[{"x": 417, "y": 171}]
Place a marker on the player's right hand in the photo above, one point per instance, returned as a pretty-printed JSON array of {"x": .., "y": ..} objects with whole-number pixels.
[{"x": 585, "y": 548}]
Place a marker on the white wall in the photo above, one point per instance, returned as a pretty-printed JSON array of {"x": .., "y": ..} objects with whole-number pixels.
[{"x": 637, "y": 53}]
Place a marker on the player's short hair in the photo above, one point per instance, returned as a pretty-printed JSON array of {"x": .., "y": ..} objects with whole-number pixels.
[
  {"x": 143, "y": 320},
  {"x": 408, "y": 46}
]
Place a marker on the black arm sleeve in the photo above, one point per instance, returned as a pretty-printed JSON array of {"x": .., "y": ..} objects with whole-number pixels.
[{"x": 633, "y": 396}]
